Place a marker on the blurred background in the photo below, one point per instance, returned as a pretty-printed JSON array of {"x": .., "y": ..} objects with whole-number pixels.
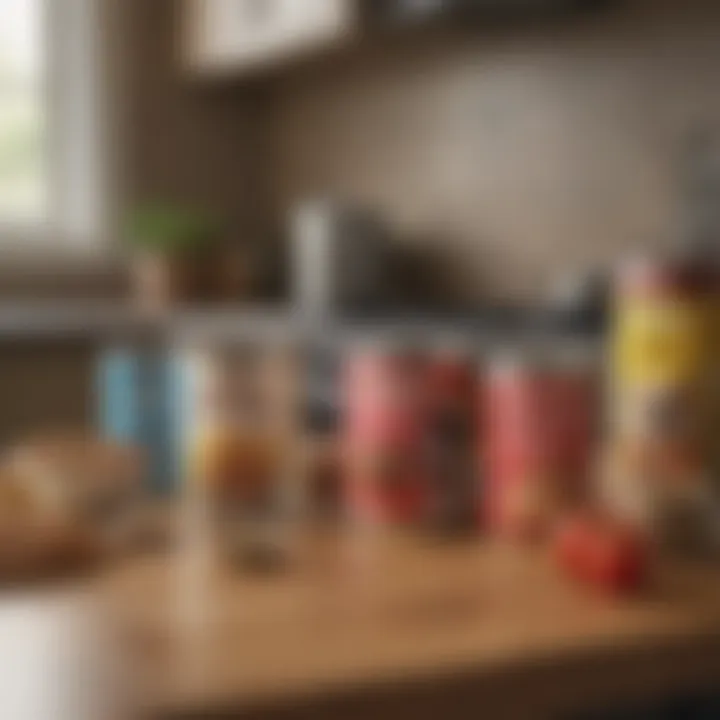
[{"x": 283, "y": 263}]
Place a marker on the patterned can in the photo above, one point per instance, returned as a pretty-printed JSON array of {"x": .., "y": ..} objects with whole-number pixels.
[
  {"x": 539, "y": 425},
  {"x": 385, "y": 432},
  {"x": 451, "y": 382},
  {"x": 664, "y": 390}
]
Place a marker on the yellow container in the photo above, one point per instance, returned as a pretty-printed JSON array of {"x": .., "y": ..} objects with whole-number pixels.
[
  {"x": 663, "y": 340},
  {"x": 664, "y": 384}
]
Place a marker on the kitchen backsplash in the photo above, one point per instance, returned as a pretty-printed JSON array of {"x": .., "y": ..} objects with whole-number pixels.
[{"x": 522, "y": 153}]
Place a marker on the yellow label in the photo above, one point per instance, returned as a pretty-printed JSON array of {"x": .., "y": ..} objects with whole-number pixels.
[{"x": 659, "y": 341}]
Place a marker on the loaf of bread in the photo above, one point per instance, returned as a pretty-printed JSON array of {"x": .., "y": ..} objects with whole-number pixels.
[{"x": 65, "y": 500}]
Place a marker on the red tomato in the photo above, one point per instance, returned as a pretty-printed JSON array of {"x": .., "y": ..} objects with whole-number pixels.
[
  {"x": 602, "y": 553},
  {"x": 570, "y": 543}
]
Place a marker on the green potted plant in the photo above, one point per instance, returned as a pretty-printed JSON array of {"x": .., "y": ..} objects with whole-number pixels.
[{"x": 170, "y": 246}]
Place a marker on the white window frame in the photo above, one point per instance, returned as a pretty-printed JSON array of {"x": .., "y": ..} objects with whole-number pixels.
[{"x": 78, "y": 222}]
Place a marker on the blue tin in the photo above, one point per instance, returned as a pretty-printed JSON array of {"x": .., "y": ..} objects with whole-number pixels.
[{"x": 142, "y": 399}]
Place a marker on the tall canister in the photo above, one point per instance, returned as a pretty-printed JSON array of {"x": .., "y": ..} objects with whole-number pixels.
[{"x": 663, "y": 397}]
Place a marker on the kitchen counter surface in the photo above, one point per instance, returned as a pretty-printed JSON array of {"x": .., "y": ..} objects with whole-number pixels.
[{"x": 364, "y": 627}]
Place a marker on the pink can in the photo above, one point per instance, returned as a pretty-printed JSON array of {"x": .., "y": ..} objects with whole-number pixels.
[
  {"x": 540, "y": 411},
  {"x": 385, "y": 433}
]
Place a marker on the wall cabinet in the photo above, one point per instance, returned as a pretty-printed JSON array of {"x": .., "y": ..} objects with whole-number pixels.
[{"x": 245, "y": 35}]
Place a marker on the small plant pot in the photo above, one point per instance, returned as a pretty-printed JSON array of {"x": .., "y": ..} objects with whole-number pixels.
[{"x": 160, "y": 280}]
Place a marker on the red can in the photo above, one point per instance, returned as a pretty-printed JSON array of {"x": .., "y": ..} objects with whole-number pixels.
[
  {"x": 539, "y": 417},
  {"x": 385, "y": 433},
  {"x": 451, "y": 381}
]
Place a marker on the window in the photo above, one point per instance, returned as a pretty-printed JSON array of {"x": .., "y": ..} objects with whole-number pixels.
[
  {"x": 52, "y": 176},
  {"x": 23, "y": 169}
]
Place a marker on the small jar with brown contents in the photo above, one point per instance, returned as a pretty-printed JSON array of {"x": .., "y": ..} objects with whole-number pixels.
[{"x": 245, "y": 445}]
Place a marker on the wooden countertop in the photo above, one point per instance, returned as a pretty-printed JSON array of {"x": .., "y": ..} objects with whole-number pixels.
[{"x": 408, "y": 624}]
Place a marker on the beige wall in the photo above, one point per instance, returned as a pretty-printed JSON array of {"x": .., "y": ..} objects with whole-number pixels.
[
  {"x": 521, "y": 152},
  {"x": 514, "y": 153}
]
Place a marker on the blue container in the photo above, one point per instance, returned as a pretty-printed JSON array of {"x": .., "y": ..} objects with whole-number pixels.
[{"x": 142, "y": 397}]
